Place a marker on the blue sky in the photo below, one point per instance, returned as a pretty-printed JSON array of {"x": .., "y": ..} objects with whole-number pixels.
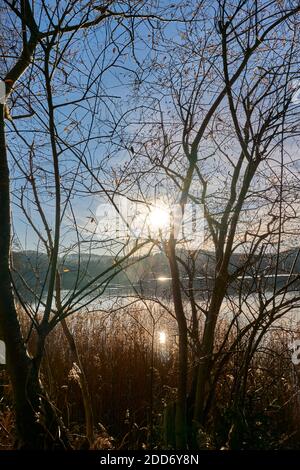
[{"x": 88, "y": 54}]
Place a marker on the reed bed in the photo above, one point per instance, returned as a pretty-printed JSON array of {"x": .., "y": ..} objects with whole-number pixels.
[{"x": 132, "y": 377}]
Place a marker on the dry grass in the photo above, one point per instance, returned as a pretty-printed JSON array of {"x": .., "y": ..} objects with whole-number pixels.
[
  {"x": 124, "y": 375},
  {"x": 128, "y": 380}
]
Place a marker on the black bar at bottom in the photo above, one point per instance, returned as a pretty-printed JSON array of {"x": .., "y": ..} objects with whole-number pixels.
[{"x": 137, "y": 459}]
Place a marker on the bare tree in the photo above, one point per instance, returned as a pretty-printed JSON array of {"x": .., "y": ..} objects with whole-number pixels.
[
  {"x": 219, "y": 112},
  {"x": 36, "y": 66}
]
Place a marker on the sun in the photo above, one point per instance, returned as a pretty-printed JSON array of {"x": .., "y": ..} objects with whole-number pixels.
[
  {"x": 162, "y": 337},
  {"x": 159, "y": 218}
]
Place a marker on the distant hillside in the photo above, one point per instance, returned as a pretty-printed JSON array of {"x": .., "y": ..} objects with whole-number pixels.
[{"x": 30, "y": 268}]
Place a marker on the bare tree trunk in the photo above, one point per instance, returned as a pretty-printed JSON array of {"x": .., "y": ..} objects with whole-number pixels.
[
  {"x": 83, "y": 383},
  {"x": 36, "y": 420},
  {"x": 85, "y": 393},
  {"x": 207, "y": 351},
  {"x": 181, "y": 405}
]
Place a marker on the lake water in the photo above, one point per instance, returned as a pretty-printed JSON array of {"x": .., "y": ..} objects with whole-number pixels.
[{"x": 149, "y": 304}]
